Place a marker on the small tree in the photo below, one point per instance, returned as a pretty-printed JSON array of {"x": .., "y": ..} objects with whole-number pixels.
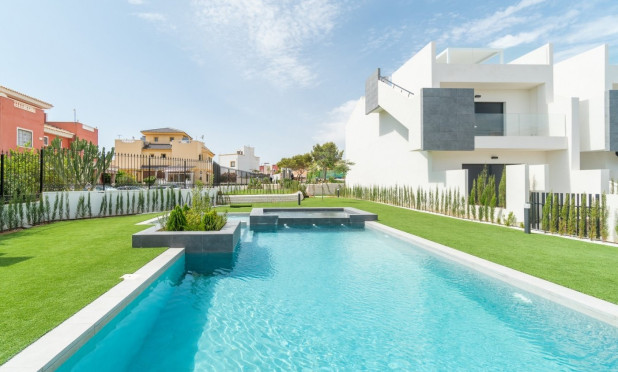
[
  {"x": 583, "y": 218},
  {"x": 555, "y": 213},
  {"x": 594, "y": 219},
  {"x": 604, "y": 217},
  {"x": 502, "y": 189},
  {"x": 564, "y": 215},
  {"x": 546, "y": 212},
  {"x": 329, "y": 157},
  {"x": 572, "y": 224}
]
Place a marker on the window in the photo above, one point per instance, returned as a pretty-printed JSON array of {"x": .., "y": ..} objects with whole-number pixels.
[
  {"x": 24, "y": 137},
  {"x": 489, "y": 118},
  {"x": 156, "y": 139},
  {"x": 232, "y": 164},
  {"x": 152, "y": 155},
  {"x": 171, "y": 139},
  {"x": 45, "y": 141},
  {"x": 200, "y": 157},
  {"x": 162, "y": 156}
]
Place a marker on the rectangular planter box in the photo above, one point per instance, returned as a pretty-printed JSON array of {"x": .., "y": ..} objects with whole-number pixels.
[{"x": 222, "y": 241}]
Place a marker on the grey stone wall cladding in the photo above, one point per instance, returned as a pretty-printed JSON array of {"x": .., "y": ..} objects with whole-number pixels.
[
  {"x": 371, "y": 92},
  {"x": 613, "y": 120},
  {"x": 448, "y": 119},
  {"x": 221, "y": 241}
]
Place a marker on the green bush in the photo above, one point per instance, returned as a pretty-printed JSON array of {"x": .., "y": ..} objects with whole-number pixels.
[
  {"x": 510, "y": 220},
  {"x": 176, "y": 220},
  {"x": 214, "y": 221}
]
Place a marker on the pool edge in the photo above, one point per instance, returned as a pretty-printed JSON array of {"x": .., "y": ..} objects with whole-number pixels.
[
  {"x": 56, "y": 346},
  {"x": 594, "y": 307}
]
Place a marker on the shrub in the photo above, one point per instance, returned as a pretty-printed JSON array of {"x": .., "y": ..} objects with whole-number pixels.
[
  {"x": 214, "y": 221},
  {"x": 553, "y": 225},
  {"x": 176, "y": 220},
  {"x": 502, "y": 189},
  {"x": 510, "y": 220},
  {"x": 546, "y": 213},
  {"x": 604, "y": 216}
]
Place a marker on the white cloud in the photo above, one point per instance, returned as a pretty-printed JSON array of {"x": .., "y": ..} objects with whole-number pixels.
[
  {"x": 598, "y": 29},
  {"x": 333, "y": 127},
  {"x": 136, "y": 2},
  {"x": 152, "y": 17},
  {"x": 492, "y": 24},
  {"x": 268, "y": 38},
  {"x": 550, "y": 24}
]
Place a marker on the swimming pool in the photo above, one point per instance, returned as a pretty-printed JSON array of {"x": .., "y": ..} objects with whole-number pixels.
[{"x": 338, "y": 298}]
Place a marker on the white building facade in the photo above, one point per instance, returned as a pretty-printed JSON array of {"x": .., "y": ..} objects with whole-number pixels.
[
  {"x": 242, "y": 160},
  {"x": 440, "y": 118}
]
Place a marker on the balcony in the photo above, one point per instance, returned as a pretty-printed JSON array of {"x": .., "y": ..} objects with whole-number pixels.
[
  {"x": 540, "y": 132},
  {"x": 544, "y": 125}
]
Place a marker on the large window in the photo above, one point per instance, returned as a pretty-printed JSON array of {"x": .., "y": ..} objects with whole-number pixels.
[
  {"x": 24, "y": 137},
  {"x": 489, "y": 118},
  {"x": 232, "y": 164}
]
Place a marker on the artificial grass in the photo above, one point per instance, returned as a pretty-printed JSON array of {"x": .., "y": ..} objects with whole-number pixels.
[
  {"x": 49, "y": 272},
  {"x": 585, "y": 267}
]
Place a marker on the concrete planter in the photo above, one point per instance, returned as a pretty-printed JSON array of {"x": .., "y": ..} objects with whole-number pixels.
[{"x": 222, "y": 241}]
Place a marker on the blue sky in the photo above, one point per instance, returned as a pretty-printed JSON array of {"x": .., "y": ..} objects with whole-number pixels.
[{"x": 275, "y": 74}]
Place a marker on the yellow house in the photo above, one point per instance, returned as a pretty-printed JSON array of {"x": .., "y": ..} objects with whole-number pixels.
[{"x": 169, "y": 154}]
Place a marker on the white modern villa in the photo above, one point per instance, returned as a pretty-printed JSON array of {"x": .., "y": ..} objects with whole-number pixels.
[
  {"x": 440, "y": 118},
  {"x": 242, "y": 160}
]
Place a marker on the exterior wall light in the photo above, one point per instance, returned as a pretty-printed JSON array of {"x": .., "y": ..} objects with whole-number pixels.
[
  {"x": 477, "y": 96},
  {"x": 494, "y": 157}
]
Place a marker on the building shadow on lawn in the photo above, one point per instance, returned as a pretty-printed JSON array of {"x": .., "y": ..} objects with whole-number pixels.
[{"x": 8, "y": 261}]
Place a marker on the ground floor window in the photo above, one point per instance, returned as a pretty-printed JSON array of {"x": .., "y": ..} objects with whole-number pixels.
[
  {"x": 45, "y": 141},
  {"x": 24, "y": 137}
]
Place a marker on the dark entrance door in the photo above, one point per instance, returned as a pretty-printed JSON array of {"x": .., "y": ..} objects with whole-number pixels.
[{"x": 489, "y": 118}]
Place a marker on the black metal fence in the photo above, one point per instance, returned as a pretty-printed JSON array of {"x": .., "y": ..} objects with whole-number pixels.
[
  {"x": 26, "y": 174},
  {"x": 583, "y": 215}
]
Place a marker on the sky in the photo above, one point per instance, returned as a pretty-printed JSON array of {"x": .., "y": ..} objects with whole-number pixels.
[{"x": 279, "y": 75}]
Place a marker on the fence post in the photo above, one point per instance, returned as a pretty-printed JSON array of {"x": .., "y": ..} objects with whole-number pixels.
[
  {"x": 149, "y": 175},
  {"x": 41, "y": 164},
  {"x": 185, "y": 171}
]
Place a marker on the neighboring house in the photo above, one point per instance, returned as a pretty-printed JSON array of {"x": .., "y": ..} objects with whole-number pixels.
[
  {"x": 185, "y": 158},
  {"x": 242, "y": 160},
  {"x": 440, "y": 118},
  {"x": 269, "y": 169},
  {"x": 23, "y": 124}
]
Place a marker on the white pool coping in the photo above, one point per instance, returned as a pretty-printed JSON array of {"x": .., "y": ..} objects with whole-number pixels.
[
  {"x": 55, "y": 347},
  {"x": 596, "y": 308}
]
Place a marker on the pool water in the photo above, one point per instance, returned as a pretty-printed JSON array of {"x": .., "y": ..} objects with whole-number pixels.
[{"x": 336, "y": 298}]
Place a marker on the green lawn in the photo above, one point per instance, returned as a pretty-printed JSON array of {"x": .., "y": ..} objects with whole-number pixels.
[
  {"x": 586, "y": 267},
  {"x": 49, "y": 272}
]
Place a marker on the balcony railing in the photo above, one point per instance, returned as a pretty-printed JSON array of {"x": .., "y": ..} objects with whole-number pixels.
[{"x": 552, "y": 125}]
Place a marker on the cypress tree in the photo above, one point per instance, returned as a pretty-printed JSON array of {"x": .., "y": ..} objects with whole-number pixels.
[
  {"x": 583, "y": 218},
  {"x": 502, "y": 189},
  {"x": 594, "y": 218},
  {"x": 472, "y": 198},
  {"x": 555, "y": 214},
  {"x": 604, "y": 216},
  {"x": 492, "y": 208},
  {"x": 564, "y": 215},
  {"x": 572, "y": 224},
  {"x": 546, "y": 212}
]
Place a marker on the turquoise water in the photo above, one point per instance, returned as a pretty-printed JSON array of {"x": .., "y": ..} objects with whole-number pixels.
[{"x": 318, "y": 298}]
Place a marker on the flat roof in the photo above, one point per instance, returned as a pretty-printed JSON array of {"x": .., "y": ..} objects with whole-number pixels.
[{"x": 469, "y": 55}]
